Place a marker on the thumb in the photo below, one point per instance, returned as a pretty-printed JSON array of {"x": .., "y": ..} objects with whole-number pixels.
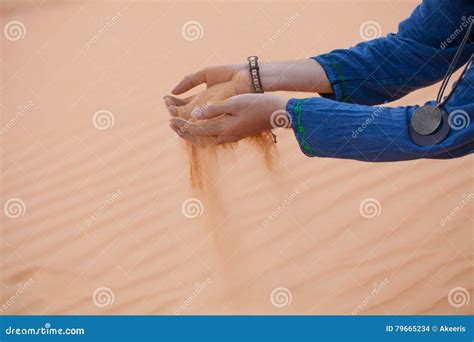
[{"x": 211, "y": 110}]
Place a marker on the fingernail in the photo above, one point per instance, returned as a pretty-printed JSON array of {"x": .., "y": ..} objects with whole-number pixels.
[
  {"x": 173, "y": 111},
  {"x": 197, "y": 112}
]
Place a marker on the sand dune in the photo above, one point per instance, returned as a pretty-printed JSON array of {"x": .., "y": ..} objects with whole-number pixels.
[{"x": 101, "y": 229}]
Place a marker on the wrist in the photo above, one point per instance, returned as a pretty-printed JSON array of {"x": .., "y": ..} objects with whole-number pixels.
[
  {"x": 270, "y": 75},
  {"x": 277, "y": 116},
  {"x": 278, "y": 103},
  {"x": 305, "y": 75},
  {"x": 242, "y": 80}
]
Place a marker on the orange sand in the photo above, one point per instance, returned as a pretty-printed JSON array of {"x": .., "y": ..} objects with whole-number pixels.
[
  {"x": 202, "y": 155},
  {"x": 103, "y": 207},
  {"x": 202, "y": 160}
]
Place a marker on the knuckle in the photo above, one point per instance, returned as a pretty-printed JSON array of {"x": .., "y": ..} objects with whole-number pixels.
[
  {"x": 209, "y": 109},
  {"x": 190, "y": 77},
  {"x": 232, "y": 104}
]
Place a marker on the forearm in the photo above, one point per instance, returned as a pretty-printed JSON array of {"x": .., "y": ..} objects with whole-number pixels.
[
  {"x": 388, "y": 68},
  {"x": 304, "y": 75},
  {"x": 327, "y": 128}
]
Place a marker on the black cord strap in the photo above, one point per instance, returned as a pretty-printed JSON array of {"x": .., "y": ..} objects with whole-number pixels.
[
  {"x": 429, "y": 125},
  {"x": 451, "y": 67}
]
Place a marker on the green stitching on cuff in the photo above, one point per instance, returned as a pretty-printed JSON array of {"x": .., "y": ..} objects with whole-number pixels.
[
  {"x": 340, "y": 77},
  {"x": 300, "y": 128}
]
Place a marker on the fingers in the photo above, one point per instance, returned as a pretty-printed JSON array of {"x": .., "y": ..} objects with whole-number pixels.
[
  {"x": 203, "y": 128},
  {"x": 174, "y": 101},
  {"x": 177, "y": 106},
  {"x": 210, "y": 75},
  {"x": 190, "y": 82},
  {"x": 212, "y": 110},
  {"x": 202, "y": 141},
  {"x": 183, "y": 134},
  {"x": 203, "y": 134},
  {"x": 181, "y": 107},
  {"x": 177, "y": 111}
]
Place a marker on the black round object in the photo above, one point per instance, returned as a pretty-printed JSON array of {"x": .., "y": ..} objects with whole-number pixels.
[
  {"x": 436, "y": 137},
  {"x": 426, "y": 120}
]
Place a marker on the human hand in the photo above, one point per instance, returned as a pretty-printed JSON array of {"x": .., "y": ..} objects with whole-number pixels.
[
  {"x": 235, "y": 76},
  {"x": 305, "y": 75},
  {"x": 183, "y": 108},
  {"x": 228, "y": 121}
]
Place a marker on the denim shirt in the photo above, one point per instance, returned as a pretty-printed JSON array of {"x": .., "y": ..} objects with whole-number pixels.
[{"x": 348, "y": 124}]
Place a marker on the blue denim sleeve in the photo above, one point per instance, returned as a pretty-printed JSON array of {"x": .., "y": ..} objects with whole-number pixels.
[
  {"x": 328, "y": 128},
  {"x": 388, "y": 68}
]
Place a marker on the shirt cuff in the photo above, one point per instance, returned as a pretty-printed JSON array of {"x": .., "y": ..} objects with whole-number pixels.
[
  {"x": 335, "y": 76},
  {"x": 293, "y": 107}
]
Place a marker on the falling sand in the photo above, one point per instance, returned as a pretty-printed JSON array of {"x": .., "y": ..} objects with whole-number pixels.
[
  {"x": 202, "y": 160},
  {"x": 203, "y": 154},
  {"x": 204, "y": 177}
]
